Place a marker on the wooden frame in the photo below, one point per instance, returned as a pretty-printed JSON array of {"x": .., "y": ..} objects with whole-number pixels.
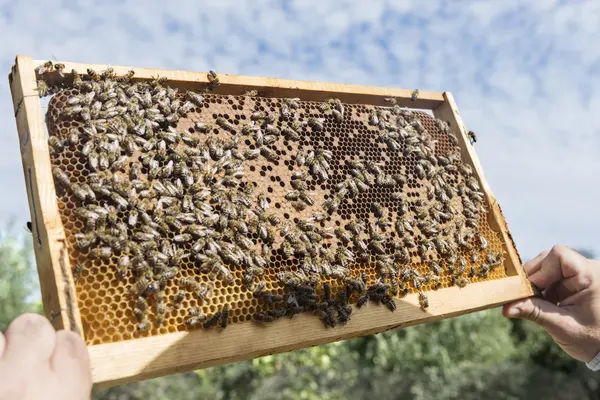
[{"x": 122, "y": 362}]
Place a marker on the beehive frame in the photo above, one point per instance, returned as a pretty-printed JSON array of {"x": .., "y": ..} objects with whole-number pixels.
[{"x": 131, "y": 360}]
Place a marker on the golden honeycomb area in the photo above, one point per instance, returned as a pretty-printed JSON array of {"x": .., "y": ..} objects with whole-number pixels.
[{"x": 121, "y": 129}]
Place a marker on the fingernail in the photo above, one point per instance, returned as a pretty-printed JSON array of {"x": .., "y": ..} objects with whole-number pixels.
[{"x": 513, "y": 312}]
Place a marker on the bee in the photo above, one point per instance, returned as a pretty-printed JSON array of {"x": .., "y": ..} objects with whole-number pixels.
[
  {"x": 483, "y": 243},
  {"x": 93, "y": 74},
  {"x": 263, "y": 317},
  {"x": 389, "y": 302},
  {"x": 213, "y": 80},
  {"x": 269, "y": 154},
  {"x": 60, "y": 68},
  {"x": 484, "y": 270},
  {"x": 195, "y": 98},
  {"x": 143, "y": 326},
  {"x": 143, "y": 285},
  {"x": 494, "y": 259},
  {"x": 315, "y": 123},
  {"x": 202, "y": 127},
  {"x": 461, "y": 282},
  {"x": 42, "y": 88},
  {"x": 61, "y": 177},
  {"x": 223, "y": 123},
  {"x": 45, "y": 67},
  {"x": 79, "y": 268},
  {"x": 423, "y": 301},
  {"x": 140, "y": 313},
  {"x": 193, "y": 322},
  {"x": 76, "y": 78},
  {"x": 414, "y": 95},
  {"x": 373, "y": 118},
  {"x": 362, "y": 301},
  {"x": 161, "y": 307},
  {"x": 123, "y": 266},
  {"x": 377, "y": 209},
  {"x": 101, "y": 252},
  {"x": 452, "y": 139},
  {"x": 224, "y": 317},
  {"x": 472, "y": 137},
  {"x": 331, "y": 205},
  {"x": 213, "y": 320},
  {"x": 290, "y": 134},
  {"x": 79, "y": 191},
  {"x": 127, "y": 77}
]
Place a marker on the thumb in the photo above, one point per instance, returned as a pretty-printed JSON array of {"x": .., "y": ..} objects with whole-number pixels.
[{"x": 555, "y": 320}]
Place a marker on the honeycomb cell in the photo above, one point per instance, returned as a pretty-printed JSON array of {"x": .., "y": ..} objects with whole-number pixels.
[{"x": 105, "y": 300}]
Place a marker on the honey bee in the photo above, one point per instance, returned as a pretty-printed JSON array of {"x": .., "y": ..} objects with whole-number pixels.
[
  {"x": 42, "y": 88},
  {"x": 193, "y": 322},
  {"x": 213, "y": 80},
  {"x": 315, "y": 123},
  {"x": 61, "y": 177},
  {"x": 127, "y": 77},
  {"x": 79, "y": 268},
  {"x": 472, "y": 137},
  {"x": 362, "y": 301},
  {"x": 483, "y": 243},
  {"x": 373, "y": 118},
  {"x": 93, "y": 74},
  {"x": 269, "y": 154},
  {"x": 101, "y": 252},
  {"x": 331, "y": 205},
  {"x": 423, "y": 301},
  {"x": 60, "y": 68},
  {"x": 45, "y": 67},
  {"x": 123, "y": 266},
  {"x": 263, "y": 317},
  {"x": 143, "y": 326},
  {"x": 213, "y": 320},
  {"x": 224, "y": 316},
  {"x": 461, "y": 282},
  {"x": 414, "y": 95},
  {"x": 202, "y": 127},
  {"x": 223, "y": 123},
  {"x": 76, "y": 78},
  {"x": 290, "y": 134}
]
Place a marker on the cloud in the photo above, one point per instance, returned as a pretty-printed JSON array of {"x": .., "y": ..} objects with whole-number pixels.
[{"x": 525, "y": 76}]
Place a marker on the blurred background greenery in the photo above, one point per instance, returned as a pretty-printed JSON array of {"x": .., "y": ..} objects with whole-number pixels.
[{"x": 481, "y": 355}]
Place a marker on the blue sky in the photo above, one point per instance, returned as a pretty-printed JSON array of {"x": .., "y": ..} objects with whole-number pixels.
[{"x": 525, "y": 74}]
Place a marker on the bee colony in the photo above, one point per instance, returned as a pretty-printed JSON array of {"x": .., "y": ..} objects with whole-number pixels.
[{"x": 197, "y": 210}]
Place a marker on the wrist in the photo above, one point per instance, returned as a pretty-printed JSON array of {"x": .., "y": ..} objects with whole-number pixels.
[{"x": 594, "y": 364}]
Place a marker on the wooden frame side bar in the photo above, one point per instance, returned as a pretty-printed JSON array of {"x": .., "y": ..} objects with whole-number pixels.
[
  {"x": 134, "y": 360},
  {"x": 448, "y": 111},
  {"x": 238, "y": 84},
  {"x": 56, "y": 280}
]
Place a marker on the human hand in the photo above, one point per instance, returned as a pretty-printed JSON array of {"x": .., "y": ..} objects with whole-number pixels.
[
  {"x": 37, "y": 362},
  {"x": 570, "y": 307}
]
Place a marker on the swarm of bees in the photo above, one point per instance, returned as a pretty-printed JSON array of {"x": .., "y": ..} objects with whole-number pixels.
[{"x": 156, "y": 196}]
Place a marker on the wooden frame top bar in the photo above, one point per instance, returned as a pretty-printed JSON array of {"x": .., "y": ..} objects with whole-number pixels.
[{"x": 306, "y": 90}]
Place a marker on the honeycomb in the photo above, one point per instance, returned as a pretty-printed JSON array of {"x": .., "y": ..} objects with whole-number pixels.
[{"x": 104, "y": 299}]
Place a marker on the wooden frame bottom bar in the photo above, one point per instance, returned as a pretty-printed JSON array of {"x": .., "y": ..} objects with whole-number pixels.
[{"x": 121, "y": 362}]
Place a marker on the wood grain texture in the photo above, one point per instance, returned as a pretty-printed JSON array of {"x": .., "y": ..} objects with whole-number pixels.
[
  {"x": 122, "y": 362},
  {"x": 267, "y": 87},
  {"x": 56, "y": 281},
  {"x": 128, "y": 361}
]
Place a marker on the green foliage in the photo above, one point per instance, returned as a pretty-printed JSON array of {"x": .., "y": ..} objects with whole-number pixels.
[
  {"x": 187, "y": 386},
  {"x": 17, "y": 277},
  {"x": 481, "y": 355}
]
